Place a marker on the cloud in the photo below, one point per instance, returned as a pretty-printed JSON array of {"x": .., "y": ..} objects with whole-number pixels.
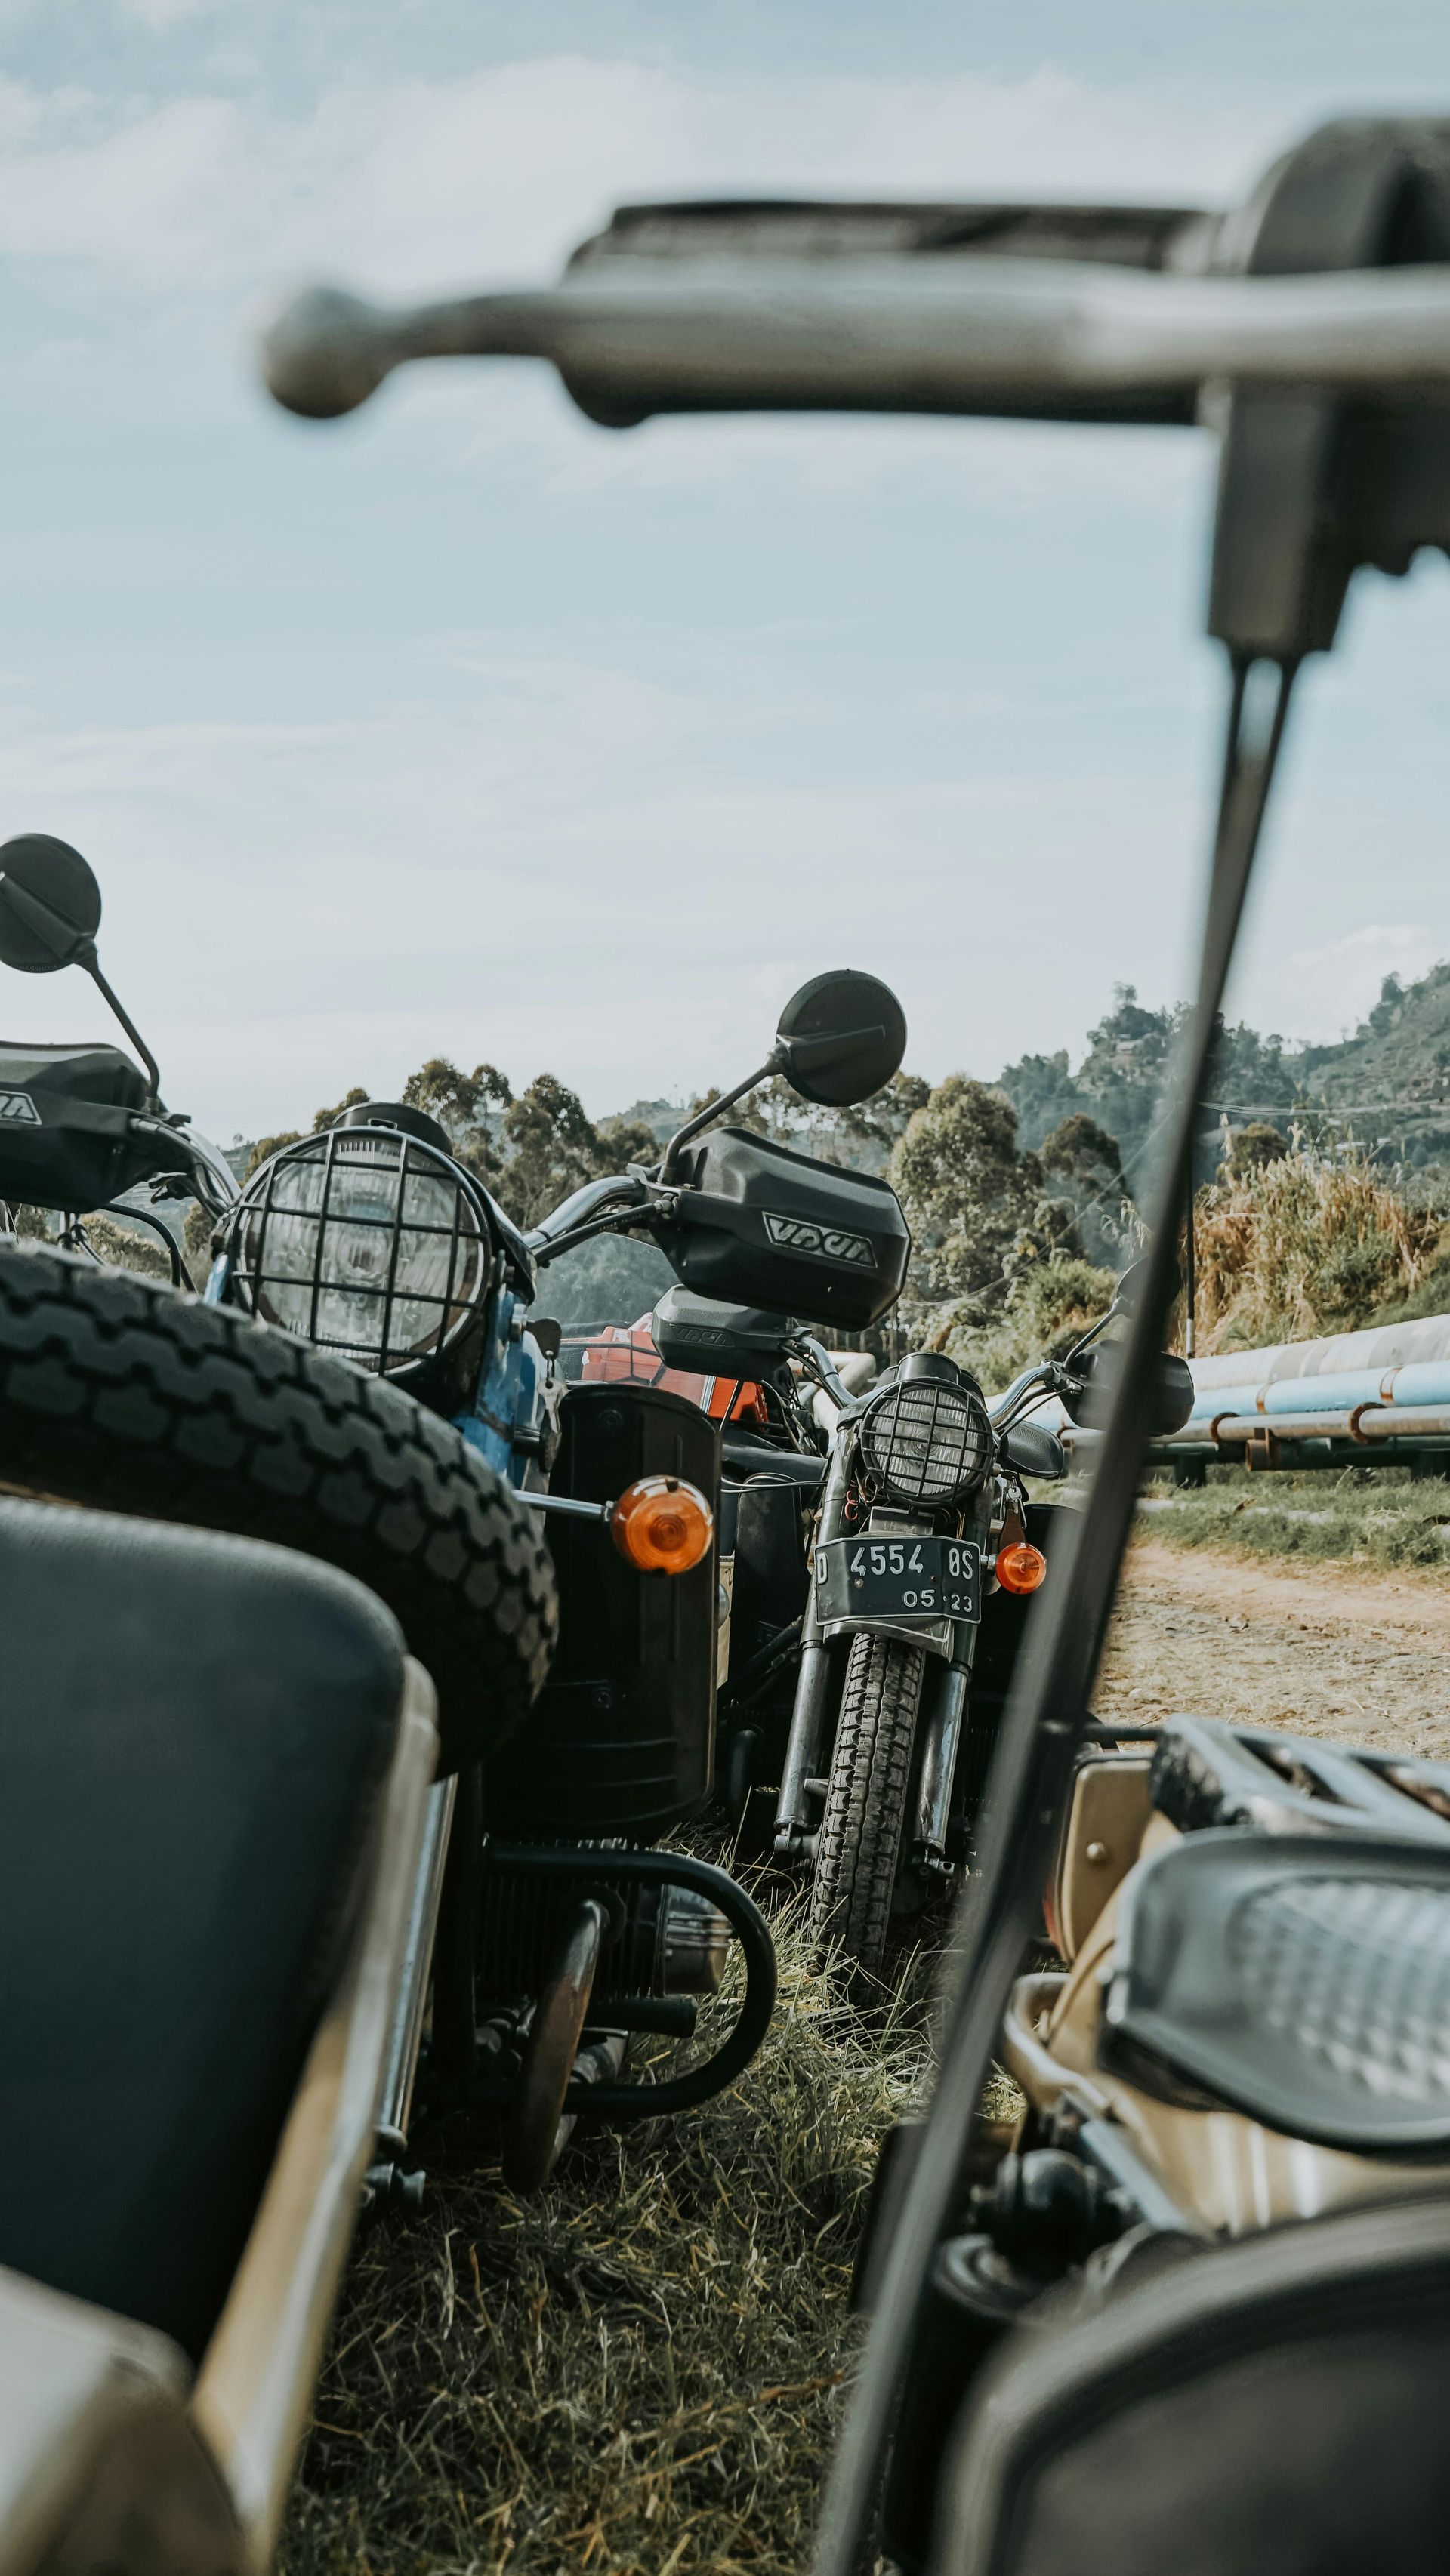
[
  {"x": 159, "y": 16},
  {"x": 420, "y": 181},
  {"x": 1020, "y": 464},
  {"x": 141, "y": 199},
  {"x": 618, "y": 867},
  {"x": 213, "y": 200},
  {"x": 574, "y": 866}
]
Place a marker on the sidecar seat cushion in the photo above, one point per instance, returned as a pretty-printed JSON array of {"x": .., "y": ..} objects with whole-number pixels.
[
  {"x": 193, "y": 1733},
  {"x": 1271, "y": 2407},
  {"x": 1305, "y": 1979}
]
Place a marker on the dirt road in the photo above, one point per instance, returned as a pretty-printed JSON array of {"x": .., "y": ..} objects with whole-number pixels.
[{"x": 1317, "y": 1649}]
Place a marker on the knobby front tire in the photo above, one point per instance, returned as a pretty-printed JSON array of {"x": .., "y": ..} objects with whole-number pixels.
[
  {"x": 130, "y": 1396},
  {"x": 858, "y": 1851}
]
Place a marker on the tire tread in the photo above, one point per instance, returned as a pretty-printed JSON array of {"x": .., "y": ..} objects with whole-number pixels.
[
  {"x": 131, "y": 1396},
  {"x": 858, "y": 1849}
]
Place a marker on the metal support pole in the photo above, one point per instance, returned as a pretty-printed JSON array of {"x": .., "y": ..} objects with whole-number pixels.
[{"x": 1190, "y": 1268}]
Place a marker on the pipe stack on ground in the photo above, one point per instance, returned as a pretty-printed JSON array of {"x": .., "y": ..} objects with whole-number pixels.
[{"x": 1387, "y": 1386}]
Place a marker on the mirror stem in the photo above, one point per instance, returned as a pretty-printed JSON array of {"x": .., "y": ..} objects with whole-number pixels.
[
  {"x": 86, "y": 956},
  {"x": 715, "y": 1108},
  {"x": 1092, "y": 1334},
  {"x": 1190, "y": 1272}
]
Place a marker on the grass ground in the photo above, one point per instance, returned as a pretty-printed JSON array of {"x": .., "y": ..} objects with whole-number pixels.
[
  {"x": 636, "y": 2373},
  {"x": 1374, "y": 1516}
]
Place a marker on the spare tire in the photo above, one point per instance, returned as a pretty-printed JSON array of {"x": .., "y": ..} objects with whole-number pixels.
[{"x": 122, "y": 1393}]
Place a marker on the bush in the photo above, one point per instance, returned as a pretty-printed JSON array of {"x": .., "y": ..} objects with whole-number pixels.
[
  {"x": 1431, "y": 1297},
  {"x": 1297, "y": 1246},
  {"x": 1047, "y": 1306},
  {"x": 1253, "y": 1147}
]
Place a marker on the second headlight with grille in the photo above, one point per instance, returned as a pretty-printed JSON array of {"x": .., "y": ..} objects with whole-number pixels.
[
  {"x": 368, "y": 1240},
  {"x": 926, "y": 1440}
]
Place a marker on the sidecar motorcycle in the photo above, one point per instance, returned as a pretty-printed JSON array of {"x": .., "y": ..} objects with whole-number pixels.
[
  {"x": 560, "y": 1934},
  {"x": 1213, "y": 2252},
  {"x": 375, "y": 1242},
  {"x": 392, "y": 1401}
]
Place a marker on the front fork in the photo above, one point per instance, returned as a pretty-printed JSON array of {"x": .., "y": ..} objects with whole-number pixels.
[
  {"x": 814, "y": 1682},
  {"x": 942, "y": 1723},
  {"x": 942, "y": 1726},
  {"x": 386, "y": 2178}
]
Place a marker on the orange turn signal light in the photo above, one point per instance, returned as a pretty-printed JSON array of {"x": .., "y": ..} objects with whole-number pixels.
[
  {"x": 662, "y": 1525},
  {"x": 1021, "y": 1567}
]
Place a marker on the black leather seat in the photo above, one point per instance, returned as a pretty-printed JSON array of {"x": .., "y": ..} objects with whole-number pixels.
[
  {"x": 193, "y": 1734},
  {"x": 1302, "y": 1979}
]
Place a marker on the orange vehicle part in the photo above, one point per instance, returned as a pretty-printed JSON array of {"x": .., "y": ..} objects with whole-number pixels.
[
  {"x": 662, "y": 1525},
  {"x": 1021, "y": 1567},
  {"x": 627, "y": 1351}
]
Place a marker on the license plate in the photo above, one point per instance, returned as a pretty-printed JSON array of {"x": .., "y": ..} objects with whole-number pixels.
[{"x": 899, "y": 1578}]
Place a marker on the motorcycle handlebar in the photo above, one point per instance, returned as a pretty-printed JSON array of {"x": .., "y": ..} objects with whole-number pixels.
[
  {"x": 1000, "y": 1413},
  {"x": 185, "y": 1147},
  {"x": 827, "y": 1375},
  {"x": 582, "y": 1205},
  {"x": 985, "y": 335}
]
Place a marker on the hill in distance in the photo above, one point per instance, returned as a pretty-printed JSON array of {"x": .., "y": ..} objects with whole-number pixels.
[{"x": 1388, "y": 1086}]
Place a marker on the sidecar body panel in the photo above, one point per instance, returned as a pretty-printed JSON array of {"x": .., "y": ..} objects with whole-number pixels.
[
  {"x": 215, "y": 1766},
  {"x": 622, "y": 1736},
  {"x": 100, "y": 2464}
]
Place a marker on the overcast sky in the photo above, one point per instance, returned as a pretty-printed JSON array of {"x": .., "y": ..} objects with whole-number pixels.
[{"x": 468, "y": 727}]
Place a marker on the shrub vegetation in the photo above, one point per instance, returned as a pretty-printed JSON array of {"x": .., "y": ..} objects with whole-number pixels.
[{"x": 1297, "y": 1244}]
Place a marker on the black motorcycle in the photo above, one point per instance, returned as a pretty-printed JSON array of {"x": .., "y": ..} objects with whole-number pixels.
[{"x": 929, "y": 1548}]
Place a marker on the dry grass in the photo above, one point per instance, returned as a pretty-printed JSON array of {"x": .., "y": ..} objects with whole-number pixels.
[
  {"x": 639, "y": 2370},
  {"x": 1301, "y": 1247}
]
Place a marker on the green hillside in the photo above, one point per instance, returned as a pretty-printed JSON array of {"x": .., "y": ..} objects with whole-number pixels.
[
  {"x": 1393, "y": 1075},
  {"x": 1388, "y": 1086}
]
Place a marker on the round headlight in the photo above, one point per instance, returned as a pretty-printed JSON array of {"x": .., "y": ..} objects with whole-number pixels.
[
  {"x": 926, "y": 1441},
  {"x": 365, "y": 1241}
]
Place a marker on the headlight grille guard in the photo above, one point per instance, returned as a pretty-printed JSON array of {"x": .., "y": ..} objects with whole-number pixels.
[
  {"x": 925, "y": 1442},
  {"x": 468, "y": 1235}
]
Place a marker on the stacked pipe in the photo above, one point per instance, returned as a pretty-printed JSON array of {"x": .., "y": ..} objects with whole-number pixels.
[{"x": 1389, "y": 1384}]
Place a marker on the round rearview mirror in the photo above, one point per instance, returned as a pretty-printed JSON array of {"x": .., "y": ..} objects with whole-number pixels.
[
  {"x": 50, "y": 904},
  {"x": 1174, "y": 1395},
  {"x": 1128, "y": 1294},
  {"x": 841, "y": 1037},
  {"x": 1170, "y": 1404}
]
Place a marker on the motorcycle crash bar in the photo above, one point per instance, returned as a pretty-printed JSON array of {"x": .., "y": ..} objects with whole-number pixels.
[
  {"x": 660, "y": 1524},
  {"x": 720, "y": 334}
]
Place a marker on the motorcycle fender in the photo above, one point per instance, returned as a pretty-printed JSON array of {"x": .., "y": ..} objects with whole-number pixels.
[{"x": 937, "y": 1635}]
